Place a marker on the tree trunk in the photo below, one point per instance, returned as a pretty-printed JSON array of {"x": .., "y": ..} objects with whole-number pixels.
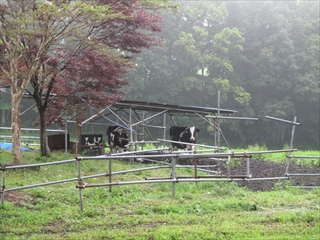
[
  {"x": 16, "y": 129},
  {"x": 45, "y": 151}
]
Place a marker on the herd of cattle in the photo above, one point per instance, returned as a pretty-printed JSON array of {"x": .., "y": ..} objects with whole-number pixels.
[{"x": 118, "y": 138}]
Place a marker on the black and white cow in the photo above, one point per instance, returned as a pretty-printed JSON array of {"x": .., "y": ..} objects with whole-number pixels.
[
  {"x": 183, "y": 134},
  {"x": 117, "y": 138}
]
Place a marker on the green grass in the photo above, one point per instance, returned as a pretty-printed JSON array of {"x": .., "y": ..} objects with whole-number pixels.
[{"x": 205, "y": 210}]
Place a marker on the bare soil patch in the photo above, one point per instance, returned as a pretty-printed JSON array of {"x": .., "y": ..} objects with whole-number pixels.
[
  {"x": 260, "y": 168},
  {"x": 18, "y": 198}
]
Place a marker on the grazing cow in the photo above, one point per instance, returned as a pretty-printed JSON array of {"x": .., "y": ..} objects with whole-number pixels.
[
  {"x": 183, "y": 134},
  {"x": 117, "y": 138}
]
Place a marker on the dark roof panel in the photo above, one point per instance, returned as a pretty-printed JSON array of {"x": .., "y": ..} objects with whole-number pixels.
[{"x": 176, "y": 109}]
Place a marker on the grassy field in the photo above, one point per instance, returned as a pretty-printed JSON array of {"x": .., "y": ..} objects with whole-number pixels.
[{"x": 204, "y": 210}]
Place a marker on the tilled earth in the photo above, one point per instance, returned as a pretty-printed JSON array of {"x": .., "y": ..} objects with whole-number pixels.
[
  {"x": 266, "y": 169},
  {"x": 258, "y": 169}
]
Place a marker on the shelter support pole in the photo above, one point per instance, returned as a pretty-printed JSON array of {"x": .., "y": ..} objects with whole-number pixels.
[
  {"x": 173, "y": 175},
  {"x": 143, "y": 129},
  {"x": 164, "y": 129},
  {"x": 66, "y": 137},
  {"x": 131, "y": 132},
  {"x": 218, "y": 124}
]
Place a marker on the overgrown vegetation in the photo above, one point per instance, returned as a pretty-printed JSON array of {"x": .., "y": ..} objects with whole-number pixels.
[{"x": 205, "y": 210}]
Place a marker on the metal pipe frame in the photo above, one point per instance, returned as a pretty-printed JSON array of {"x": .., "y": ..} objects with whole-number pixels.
[
  {"x": 176, "y": 180},
  {"x": 192, "y": 144},
  {"x": 140, "y": 151},
  {"x": 151, "y": 117},
  {"x": 153, "y": 126},
  {"x": 118, "y": 117},
  {"x": 22, "y": 137},
  {"x": 185, "y": 155},
  {"x": 34, "y": 129},
  {"x": 291, "y": 142},
  {"x": 302, "y": 174},
  {"x": 36, "y": 164},
  {"x": 216, "y": 129},
  {"x": 233, "y": 118},
  {"x": 41, "y": 184},
  {"x": 28, "y": 109},
  {"x": 282, "y": 120},
  {"x": 142, "y": 142},
  {"x": 200, "y": 177},
  {"x": 93, "y": 116},
  {"x": 80, "y": 182},
  {"x": 143, "y": 121},
  {"x": 92, "y": 123},
  {"x": 311, "y": 157},
  {"x": 306, "y": 187}
]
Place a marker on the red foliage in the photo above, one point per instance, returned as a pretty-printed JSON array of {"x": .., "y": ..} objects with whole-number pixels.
[{"x": 91, "y": 78}]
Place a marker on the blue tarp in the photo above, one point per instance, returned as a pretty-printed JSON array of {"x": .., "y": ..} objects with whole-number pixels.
[{"x": 8, "y": 146}]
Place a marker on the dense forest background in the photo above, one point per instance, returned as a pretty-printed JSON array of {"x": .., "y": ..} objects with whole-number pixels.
[{"x": 263, "y": 57}]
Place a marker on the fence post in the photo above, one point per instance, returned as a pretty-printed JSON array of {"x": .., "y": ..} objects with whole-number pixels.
[
  {"x": 248, "y": 167},
  {"x": 110, "y": 174},
  {"x": 2, "y": 187},
  {"x": 80, "y": 182},
  {"x": 291, "y": 144},
  {"x": 229, "y": 161},
  {"x": 173, "y": 175}
]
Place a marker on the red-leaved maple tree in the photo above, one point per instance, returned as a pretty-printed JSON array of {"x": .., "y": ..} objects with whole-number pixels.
[{"x": 69, "y": 54}]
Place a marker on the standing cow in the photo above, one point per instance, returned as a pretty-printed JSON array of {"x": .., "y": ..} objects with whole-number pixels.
[
  {"x": 183, "y": 134},
  {"x": 117, "y": 138}
]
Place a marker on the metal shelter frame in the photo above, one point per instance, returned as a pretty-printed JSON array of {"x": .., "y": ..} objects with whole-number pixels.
[{"x": 131, "y": 115}]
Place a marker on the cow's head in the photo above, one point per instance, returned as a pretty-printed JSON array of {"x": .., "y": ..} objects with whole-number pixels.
[
  {"x": 121, "y": 137},
  {"x": 189, "y": 134}
]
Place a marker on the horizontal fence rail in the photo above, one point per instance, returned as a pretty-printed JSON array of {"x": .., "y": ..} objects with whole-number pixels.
[{"x": 153, "y": 156}]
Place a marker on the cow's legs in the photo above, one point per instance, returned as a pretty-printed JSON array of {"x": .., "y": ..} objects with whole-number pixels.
[
  {"x": 112, "y": 150},
  {"x": 189, "y": 147},
  {"x": 175, "y": 148}
]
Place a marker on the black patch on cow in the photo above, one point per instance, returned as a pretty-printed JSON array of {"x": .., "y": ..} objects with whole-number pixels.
[
  {"x": 117, "y": 137},
  {"x": 91, "y": 140},
  {"x": 183, "y": 134}
]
